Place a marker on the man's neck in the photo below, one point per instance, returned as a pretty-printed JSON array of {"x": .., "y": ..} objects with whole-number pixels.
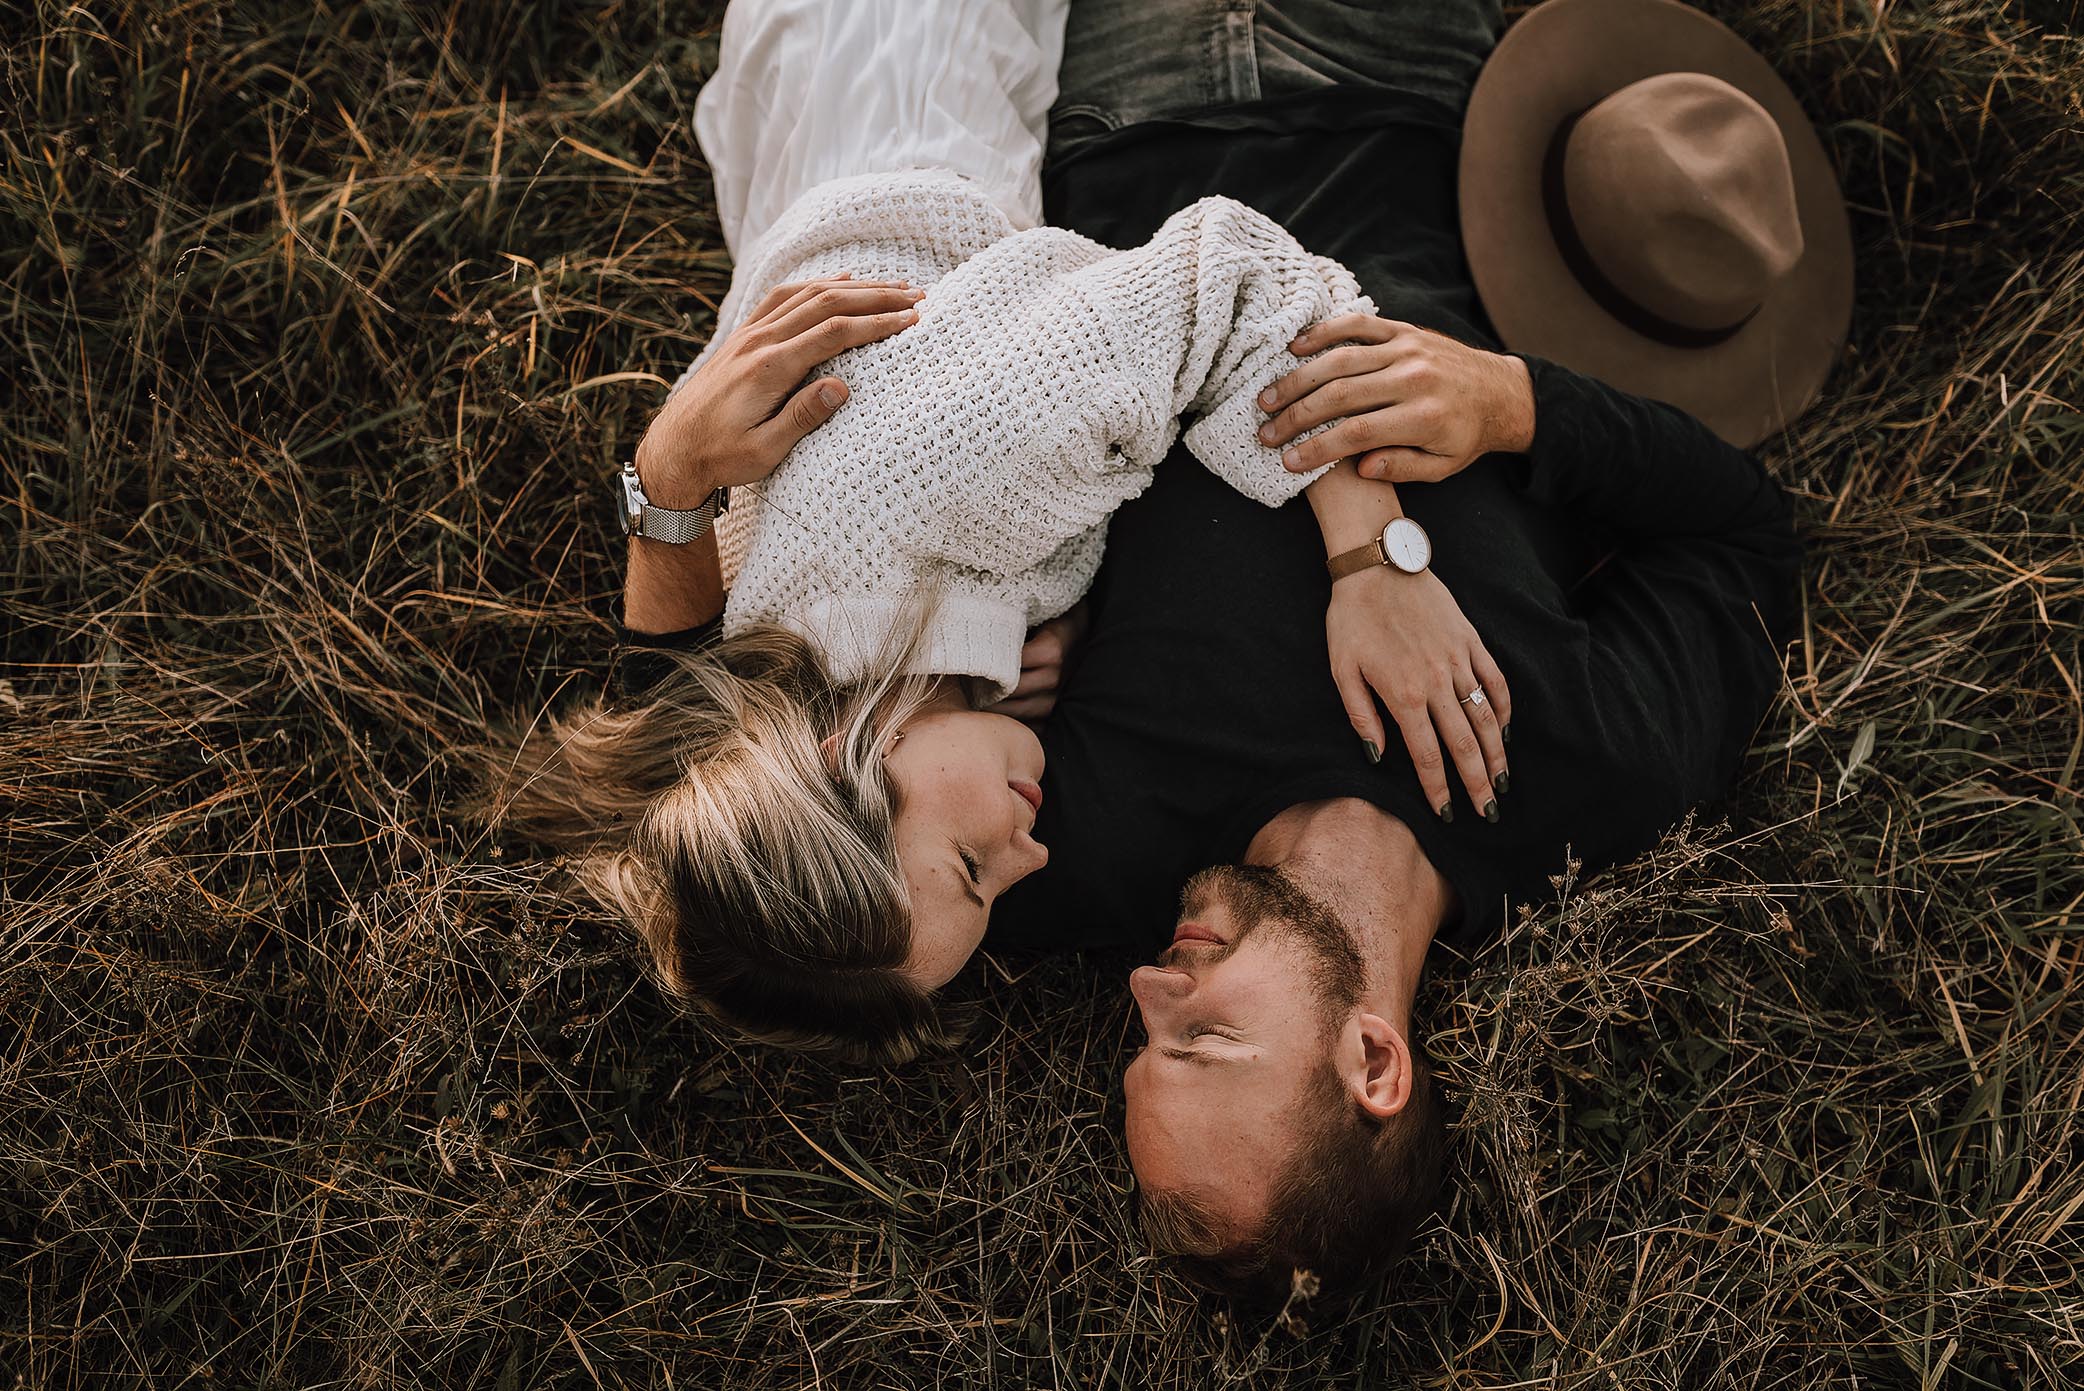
[{"x": 1366, "y": 866}]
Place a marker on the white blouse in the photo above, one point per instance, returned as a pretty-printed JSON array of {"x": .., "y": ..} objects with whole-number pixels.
[{"x": 982, "y": 451}]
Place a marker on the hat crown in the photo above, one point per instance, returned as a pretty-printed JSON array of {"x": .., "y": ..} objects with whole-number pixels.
[{"x": 1680, "y": 192}]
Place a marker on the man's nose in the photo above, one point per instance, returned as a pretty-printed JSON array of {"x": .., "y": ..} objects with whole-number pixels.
[{"x": 1155, "y": 987}]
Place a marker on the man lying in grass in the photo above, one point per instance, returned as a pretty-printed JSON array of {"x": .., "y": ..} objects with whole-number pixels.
[
  {"x": 809, "y": 818},
  {"x": 1631, "y": 567}
]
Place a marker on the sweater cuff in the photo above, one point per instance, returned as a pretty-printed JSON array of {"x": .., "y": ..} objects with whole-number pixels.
[
  {"x": 1226, "y": 440},
  {"x": 964, "y": 635}
]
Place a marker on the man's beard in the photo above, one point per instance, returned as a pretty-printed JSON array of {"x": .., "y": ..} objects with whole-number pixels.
[{"x": 1260, "y": 898}]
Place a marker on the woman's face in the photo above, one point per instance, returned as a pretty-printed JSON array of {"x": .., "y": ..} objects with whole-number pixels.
[{"x": 968, "y": 785}]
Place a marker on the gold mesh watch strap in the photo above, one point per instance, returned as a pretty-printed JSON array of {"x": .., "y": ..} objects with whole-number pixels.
[{"x": 1354, "y": 561}]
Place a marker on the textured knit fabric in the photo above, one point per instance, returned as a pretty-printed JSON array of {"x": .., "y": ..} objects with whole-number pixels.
[
  {"x": 981, "y": 452},
  {"x": 1628, "y": 574},
  {"x": 806, "y": 91}
]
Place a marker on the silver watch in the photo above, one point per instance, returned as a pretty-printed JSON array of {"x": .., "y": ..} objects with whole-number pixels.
[{"x": 640, "y": 516}]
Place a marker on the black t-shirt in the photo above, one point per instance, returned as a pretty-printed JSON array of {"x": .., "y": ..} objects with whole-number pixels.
[{"x": 1203, "y": 703}]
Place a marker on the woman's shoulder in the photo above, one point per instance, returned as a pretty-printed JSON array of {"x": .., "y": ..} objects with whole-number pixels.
[{"x": 914, "y": 224}]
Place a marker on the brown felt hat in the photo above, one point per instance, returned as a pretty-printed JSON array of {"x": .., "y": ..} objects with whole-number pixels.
[{"x": 1643, "y": 201}]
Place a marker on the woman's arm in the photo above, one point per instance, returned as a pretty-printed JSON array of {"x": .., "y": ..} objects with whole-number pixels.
[
  {"x": 1418, "y": 405},
  {"x": 736, "y": 420},
  {"x": 1403, "y": 638},
  {"x": 1196, "y": 322}
]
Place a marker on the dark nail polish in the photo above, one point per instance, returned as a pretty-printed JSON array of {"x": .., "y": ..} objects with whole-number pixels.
[
  {"x": 1490, "y": 810},
  {"x": 1503, "y": 782},
  {"x": 1447, "y": 812},
  {"x": 1505, "y": 734},
  {"x": 1374, "y": 754}
]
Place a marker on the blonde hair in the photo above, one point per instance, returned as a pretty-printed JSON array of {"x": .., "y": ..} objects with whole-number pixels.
[{"x": 758, "y": 867}]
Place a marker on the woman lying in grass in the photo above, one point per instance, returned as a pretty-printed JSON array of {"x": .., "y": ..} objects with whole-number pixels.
[{"x": 809, "y": 816}]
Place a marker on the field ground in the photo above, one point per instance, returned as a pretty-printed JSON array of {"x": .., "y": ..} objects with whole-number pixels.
[{"x": 320, "y": 325}]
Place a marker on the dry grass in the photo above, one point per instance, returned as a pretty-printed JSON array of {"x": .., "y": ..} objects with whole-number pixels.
[{"x": 318, "y": 324}]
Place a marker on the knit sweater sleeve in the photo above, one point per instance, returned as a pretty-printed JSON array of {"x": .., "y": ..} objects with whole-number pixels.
[
  {"x": 982, "y": 451},
  {"x": 1201, "y": 316}
]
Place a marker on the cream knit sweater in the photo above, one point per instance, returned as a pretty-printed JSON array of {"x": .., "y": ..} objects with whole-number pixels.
[{"x": 982, "y": 450}]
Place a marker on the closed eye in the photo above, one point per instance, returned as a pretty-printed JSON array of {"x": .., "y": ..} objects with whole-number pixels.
[{"x": 969, "y": 865}]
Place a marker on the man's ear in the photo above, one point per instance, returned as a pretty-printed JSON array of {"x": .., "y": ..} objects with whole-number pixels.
[
  {"x": 1382, "y": 1081},
  {"x": 829, "y": 746}
]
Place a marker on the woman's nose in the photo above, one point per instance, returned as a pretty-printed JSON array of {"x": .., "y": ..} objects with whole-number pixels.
[{"x": 1155, "y": 987}]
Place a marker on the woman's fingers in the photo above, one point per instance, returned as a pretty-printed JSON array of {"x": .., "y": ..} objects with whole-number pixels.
[
  {"x": 1359, "y": 699},
  {"x": 1495, "y": 689},
  {"x": 1415, "y": 723},
  {"x": 1045, "y": 647},
  {"x": 1036, "y": 679},
  {"x": 1484, "y": 722},
  {"x": 1033, "y": 707},
  {"x": 1464, "y": 749}
]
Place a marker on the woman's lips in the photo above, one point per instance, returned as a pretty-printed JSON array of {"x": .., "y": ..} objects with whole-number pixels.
[
  {"x": 1194, "y": 932},
  {"x": 1031, "y": 793}
]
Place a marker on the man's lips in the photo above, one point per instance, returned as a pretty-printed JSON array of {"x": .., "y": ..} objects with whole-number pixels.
[
  {"x": 1031, "y": 793},
  {"x": 1194, "y": 932}
]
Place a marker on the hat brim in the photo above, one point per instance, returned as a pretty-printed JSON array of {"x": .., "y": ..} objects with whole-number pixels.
[{"x": 1568, "y": 55}]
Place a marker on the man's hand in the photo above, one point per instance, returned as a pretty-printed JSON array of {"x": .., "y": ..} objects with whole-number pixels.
[
  {"x": 1403, "y": 638},
  {"x": 1419, "y": 406},
  {"x": 1043, "y": 662},
  {"x": 737, "y": 418}
]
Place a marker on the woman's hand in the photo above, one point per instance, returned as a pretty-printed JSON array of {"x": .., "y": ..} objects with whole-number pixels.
[
  {"x": 1419, "y": 406},
  {"x": 1402, "y": 637},
  {"x": 737, "y": 418},
  {"x": 1043, "y": 661}
]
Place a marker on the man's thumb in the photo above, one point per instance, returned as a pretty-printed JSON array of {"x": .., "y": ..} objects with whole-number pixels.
[{"x": 814, "y": 405}]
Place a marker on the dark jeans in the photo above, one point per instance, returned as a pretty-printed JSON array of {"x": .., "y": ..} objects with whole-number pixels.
[{"x": 1138, "y": 60}]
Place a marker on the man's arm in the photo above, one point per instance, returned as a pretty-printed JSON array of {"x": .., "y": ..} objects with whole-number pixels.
[
  {"x": 1420, "y": 406},
  {"x": 1683, "y": 624},
  {"x": 733, "y": 423},
  {"x": 670, "y": 589}
]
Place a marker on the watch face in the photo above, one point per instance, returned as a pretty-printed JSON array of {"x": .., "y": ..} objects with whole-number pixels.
[
  {"x": 1405, "y": 543},
  {"x": 629, "y": 501}
]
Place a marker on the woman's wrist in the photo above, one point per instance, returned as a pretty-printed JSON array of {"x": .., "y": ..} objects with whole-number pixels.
[{"x": 1351, "y": 511}]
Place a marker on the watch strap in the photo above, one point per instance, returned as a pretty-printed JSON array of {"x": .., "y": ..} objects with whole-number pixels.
[
  {"x": 677, "y": 528},
  {"x": 1356, "y": 560}
]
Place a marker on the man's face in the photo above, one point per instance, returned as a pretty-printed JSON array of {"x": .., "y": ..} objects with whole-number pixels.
[{"x": 1239, "y": 1010}]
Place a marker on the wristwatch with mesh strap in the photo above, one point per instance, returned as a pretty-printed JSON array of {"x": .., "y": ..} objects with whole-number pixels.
[{"x": 640, "y": 516}]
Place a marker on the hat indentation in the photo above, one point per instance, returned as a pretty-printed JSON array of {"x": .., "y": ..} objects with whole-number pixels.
[{"x": 1673, "y": 203}]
